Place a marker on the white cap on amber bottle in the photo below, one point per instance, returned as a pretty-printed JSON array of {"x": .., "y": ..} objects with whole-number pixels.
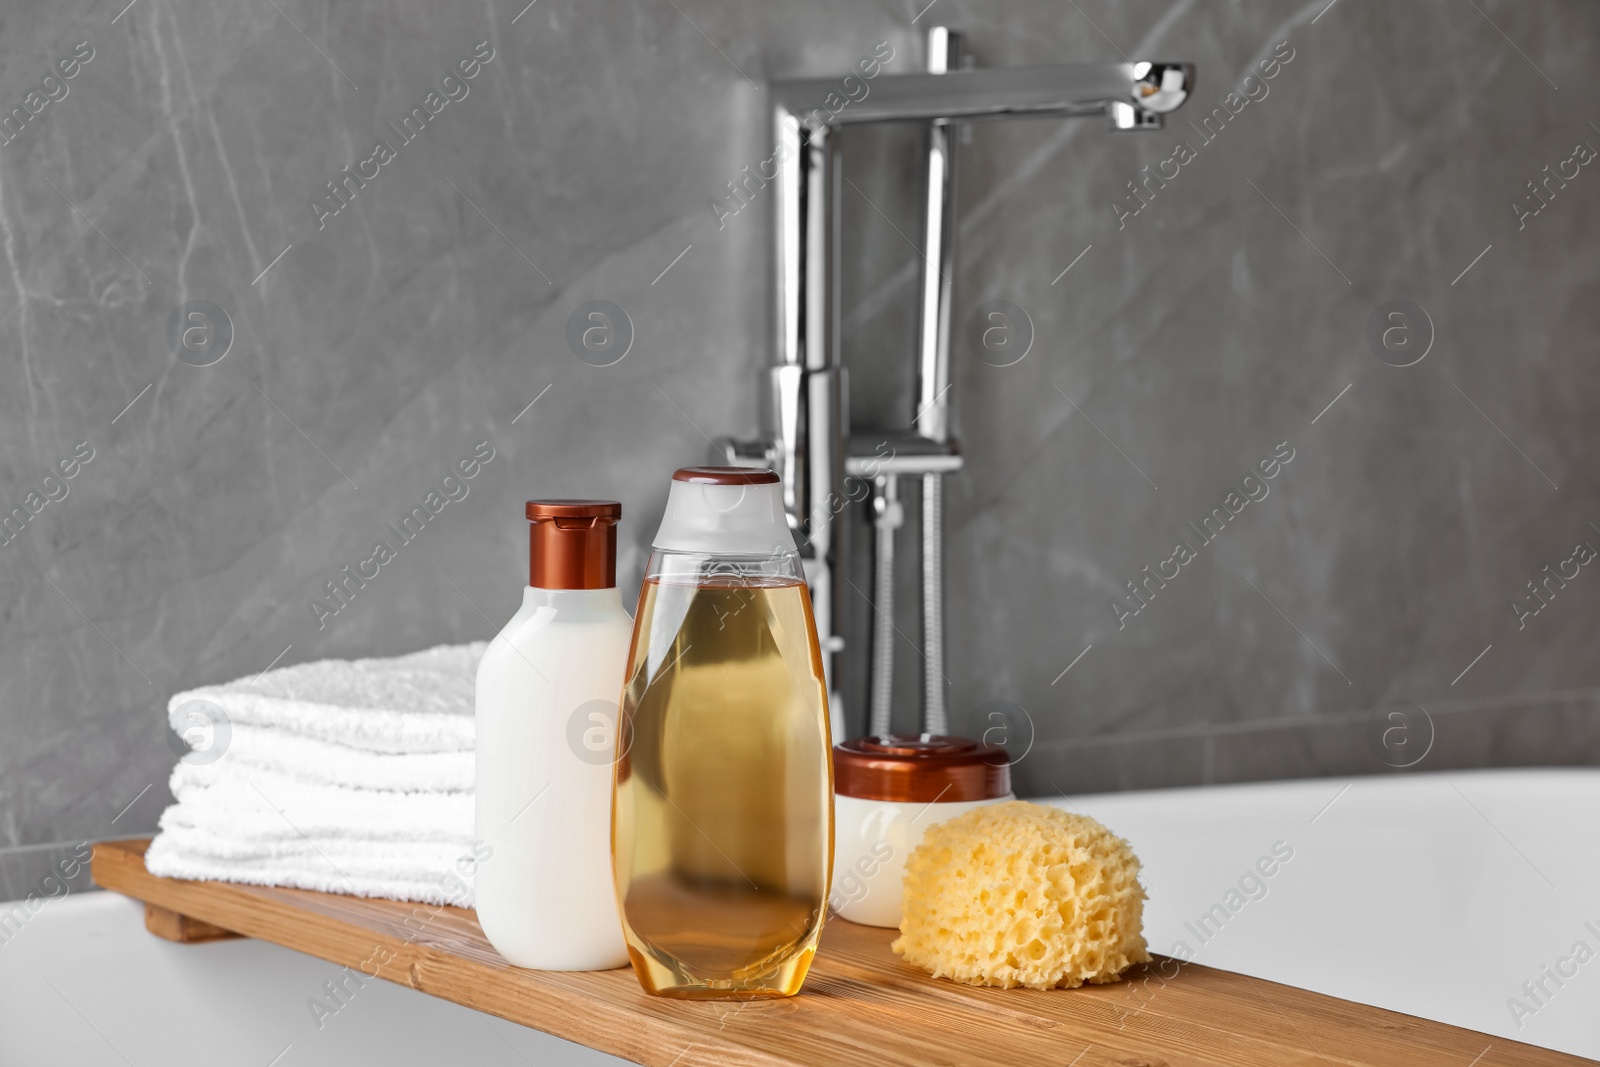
[{"x": 725, "y": 511}]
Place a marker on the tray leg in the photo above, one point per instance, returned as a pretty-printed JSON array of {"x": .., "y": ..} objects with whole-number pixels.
[{"x": 164, "y": 922}]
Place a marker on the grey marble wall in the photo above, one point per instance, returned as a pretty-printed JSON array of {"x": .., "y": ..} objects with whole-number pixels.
[{"x": 183, "y": 168}]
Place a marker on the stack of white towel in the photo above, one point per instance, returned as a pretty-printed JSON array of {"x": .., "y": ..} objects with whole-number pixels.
[{"x": 346, "y": 776}]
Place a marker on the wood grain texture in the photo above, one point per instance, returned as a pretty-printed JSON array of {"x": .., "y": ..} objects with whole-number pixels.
[
  {"x": 861, "y": 1003},
  {"x": 173, "y": 926}
]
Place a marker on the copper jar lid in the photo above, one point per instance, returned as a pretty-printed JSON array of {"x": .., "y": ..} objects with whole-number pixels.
[
  {"x": 924, "y": 769},
  {"x": 572, "y": 544},
  {"x": 726, "y": 475}
]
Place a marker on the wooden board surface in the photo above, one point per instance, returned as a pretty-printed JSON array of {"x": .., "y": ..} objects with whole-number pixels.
[{"x": 861, "y": 1004}]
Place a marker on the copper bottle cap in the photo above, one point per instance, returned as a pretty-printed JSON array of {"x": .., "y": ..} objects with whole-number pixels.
[
  {"x": 726, "y": 475},
  {"x": 922, "y": 769},
  {"x": 572, "y": 544}
]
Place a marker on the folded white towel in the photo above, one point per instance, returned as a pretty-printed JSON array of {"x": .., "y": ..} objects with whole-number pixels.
[
  {"x": 268, "y": 805},
  {"x": 432, "y": 872},
  {"x": 239, "y": 824},
  {"x": 341, "y": 776},
  {"x": 310, "y": 759},
  {"x": 420, "y": 702}
]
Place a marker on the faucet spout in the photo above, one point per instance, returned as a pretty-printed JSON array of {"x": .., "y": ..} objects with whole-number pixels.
[{"x": 1006, "y": 92}]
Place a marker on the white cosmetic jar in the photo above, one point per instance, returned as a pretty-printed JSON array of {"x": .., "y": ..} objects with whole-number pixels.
[{"x": 887, "y": 792}]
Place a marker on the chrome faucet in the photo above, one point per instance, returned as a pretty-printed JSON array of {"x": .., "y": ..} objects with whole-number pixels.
[{"x": 808, "y": 430}]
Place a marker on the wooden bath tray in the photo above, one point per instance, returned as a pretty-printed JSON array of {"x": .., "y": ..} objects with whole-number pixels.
[{"x": 861, "y": 1004}]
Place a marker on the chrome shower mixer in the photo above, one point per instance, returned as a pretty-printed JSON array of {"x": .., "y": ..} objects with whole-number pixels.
[{"x": 808, "y": 437}]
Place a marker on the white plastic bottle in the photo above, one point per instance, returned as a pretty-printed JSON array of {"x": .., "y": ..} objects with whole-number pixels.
[{"x": 547, "y": 694}]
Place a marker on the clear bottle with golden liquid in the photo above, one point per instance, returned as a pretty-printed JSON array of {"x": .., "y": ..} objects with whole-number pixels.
[{"x": 722, "y": 808}]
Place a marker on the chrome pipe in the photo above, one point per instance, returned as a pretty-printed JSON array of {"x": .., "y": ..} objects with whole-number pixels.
[
  {"x": 932, "y": 416},
  {"x": 887, "y": 518},
  {"x": 935, "y": 715},
  {"x": 807, "y": 387},
  {"x": 938, "y": 257}
]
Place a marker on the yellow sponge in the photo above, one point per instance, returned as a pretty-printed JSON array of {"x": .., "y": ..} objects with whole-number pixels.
[{"x": 1022, "y": 894}]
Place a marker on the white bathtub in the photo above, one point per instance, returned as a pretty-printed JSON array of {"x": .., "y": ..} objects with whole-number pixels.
[
  {"x": 1437, "y": 895},
  {"x": 1433, "y": 894}
]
